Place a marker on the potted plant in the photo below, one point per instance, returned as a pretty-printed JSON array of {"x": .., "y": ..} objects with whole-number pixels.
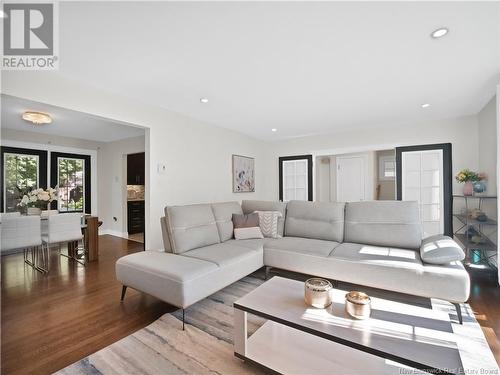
[
  {"x": 36, "y": 200},
  {"x": 468, "y": 177}
]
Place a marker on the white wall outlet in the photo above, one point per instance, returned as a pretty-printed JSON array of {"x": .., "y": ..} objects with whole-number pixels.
[{"x": 162, "y": 168}]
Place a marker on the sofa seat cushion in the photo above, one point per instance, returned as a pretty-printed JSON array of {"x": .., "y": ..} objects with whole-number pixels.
[
  {"x": 191, "y": 226},
  {"x": 318, "y": 220},
  {"x": 378, "y": 255},
  {"x": 306, "y": 246},
  {"x": 225, "y": 253},
  {"x": 399, "y": 270},
  {"x": 383, "y": 223},
  {"x": 181, "y": 280}
]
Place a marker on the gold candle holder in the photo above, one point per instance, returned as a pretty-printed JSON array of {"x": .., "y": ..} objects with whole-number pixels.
[
  {"x": 358, "y": 305},
  {"x": 317, "y": 293}
]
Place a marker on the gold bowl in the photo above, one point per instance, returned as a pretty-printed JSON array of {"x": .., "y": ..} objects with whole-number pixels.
[{"x": 358, "y": 305}]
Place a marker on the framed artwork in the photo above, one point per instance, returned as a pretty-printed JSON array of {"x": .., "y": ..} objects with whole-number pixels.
[{"x": 243, "y": 174}]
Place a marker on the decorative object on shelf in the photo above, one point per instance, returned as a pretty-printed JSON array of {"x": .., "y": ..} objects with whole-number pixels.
[
  {"x": 243, "y": 174},
  {"x": 36, "y": 200},
  {"x": 479, "y": 187},
  {"x": 468, "y": 178},
  {"x": 317, "y": 293},
  {"x": 358, "y": 305},
  {"x": 482, "y": 217},
  {"x": 475, "y": 230}
]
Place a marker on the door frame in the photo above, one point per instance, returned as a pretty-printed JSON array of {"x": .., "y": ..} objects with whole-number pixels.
[
  {"x": 447, "y": 179},
  {"x": 54, "y": 155},
  {"x": 309, "y": 159},
  {"x": 42, "y": 167}
]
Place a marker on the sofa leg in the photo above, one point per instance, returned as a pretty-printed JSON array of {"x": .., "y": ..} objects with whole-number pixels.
[
  {"x": 267, "y": 272},
  {"x": 124, "y": 290},
  {"x": 459, "y": 312},
  {"x": 183, "y": 327}
]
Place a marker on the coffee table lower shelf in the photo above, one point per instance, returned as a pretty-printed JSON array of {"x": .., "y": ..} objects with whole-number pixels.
[{"x": 285, "y": 350}]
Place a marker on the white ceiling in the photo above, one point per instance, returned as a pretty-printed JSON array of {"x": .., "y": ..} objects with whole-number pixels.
[
  {"x": 65, "y": 122},
  {"x": 301, "y": 67}
]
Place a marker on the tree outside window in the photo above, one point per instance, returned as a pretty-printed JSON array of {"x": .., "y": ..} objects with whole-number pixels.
[
  {"x": 21, "y": 174},
  {"x": 71, "y": 177}
]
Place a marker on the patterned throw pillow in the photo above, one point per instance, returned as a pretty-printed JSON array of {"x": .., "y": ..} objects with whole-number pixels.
[
  {"x": 246, "y": 226},
  {"x": 268, "y": 222}
]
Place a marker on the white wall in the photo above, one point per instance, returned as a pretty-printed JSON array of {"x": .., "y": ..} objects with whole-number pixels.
[
  {"x": 487, "y": 149},
  {"x": 461, "y": 132},
  {"x": 112, "y": 183},
  {"x": 197, "y": 154}
]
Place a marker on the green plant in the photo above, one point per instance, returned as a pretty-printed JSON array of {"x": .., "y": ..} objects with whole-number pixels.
[{"x": 466, "y": 175}]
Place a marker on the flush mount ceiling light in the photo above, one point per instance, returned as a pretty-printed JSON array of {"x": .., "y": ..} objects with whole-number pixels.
[
  {"x": 439, "y": 33},
  {"x": 37, "y": 118},
  {"x": 204, "y": 100},
  {"x": 426, "y": 105},
  {"x": 274, "y": 130}
]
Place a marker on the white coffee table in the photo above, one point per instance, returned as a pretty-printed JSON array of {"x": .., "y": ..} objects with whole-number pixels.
[{"x": 297, "y": 339}]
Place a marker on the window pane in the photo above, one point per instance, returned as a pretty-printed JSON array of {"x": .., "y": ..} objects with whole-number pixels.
[
  {"x": 21, "y": 174},
  {"x": 71, "y": 182}
]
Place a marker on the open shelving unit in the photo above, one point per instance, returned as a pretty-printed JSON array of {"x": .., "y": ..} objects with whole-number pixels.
[{"x": 483, "y": 253}]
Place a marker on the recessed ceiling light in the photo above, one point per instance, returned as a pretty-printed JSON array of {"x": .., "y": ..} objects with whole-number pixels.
[
  {"x": 37, "y": 118},
  {"x": 439, "y": 33},
  {"x": 204, "y": 100},
  {"x": 274, "y": 130},
  {"x": 426, "y": 105}
]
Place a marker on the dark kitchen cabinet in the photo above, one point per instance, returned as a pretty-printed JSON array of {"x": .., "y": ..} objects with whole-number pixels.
[
  {"x": 135, "y": 217},
  {"x": 135, "y": 169}
]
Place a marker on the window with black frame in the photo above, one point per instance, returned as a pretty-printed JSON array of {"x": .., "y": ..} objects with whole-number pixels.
[
  {"x": 71, "y": 174},
  {"x": 21, "y": 170}
]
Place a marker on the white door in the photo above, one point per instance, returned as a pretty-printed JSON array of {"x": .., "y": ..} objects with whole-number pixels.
[
  {"x": 350, "y": 178},
  {"x": 422, "y": 181},
  {"x": 295, "y": 180}
]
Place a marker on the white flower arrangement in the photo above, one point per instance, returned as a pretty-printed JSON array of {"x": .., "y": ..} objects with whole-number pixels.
[{"x": 39, "y": 197}]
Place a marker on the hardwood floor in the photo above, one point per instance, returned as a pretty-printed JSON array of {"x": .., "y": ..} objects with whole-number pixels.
[{"x": 49, "y": 322}]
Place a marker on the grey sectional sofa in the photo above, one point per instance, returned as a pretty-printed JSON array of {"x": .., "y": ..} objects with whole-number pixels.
[{"x": 374, "y": 244}]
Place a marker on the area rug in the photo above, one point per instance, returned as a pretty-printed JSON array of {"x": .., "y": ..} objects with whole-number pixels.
[{"x": 206, "y": 346}]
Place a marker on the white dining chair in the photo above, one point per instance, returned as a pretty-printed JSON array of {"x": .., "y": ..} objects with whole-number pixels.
[
  {"x": 63, "y": 228},
  {"x": 23, "y": 232},
  {"x": 9, "y": 214},
  {"x": 47, "y": 213}
]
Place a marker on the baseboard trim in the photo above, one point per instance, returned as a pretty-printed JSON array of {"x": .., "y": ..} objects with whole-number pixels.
[{"x": 113, "y": 233}]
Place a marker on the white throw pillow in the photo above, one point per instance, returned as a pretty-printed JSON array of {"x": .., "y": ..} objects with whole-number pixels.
[
  {"x": 440, "y": 249},
  {"x": 268, "y": 222},
  {"x": 247, "y": 233}
]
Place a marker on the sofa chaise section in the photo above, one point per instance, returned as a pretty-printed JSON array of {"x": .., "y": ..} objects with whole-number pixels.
[{"x": 199, "y": 257}]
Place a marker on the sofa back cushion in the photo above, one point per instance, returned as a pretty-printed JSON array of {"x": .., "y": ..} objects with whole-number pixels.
[
  {"x": 252, "y": 206},
  {"x": 190, "y": 227},
  {"x": 318, "y": 220},
  {"x": 383, "y": 223},
  {"x": 223, "y": 213}
]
